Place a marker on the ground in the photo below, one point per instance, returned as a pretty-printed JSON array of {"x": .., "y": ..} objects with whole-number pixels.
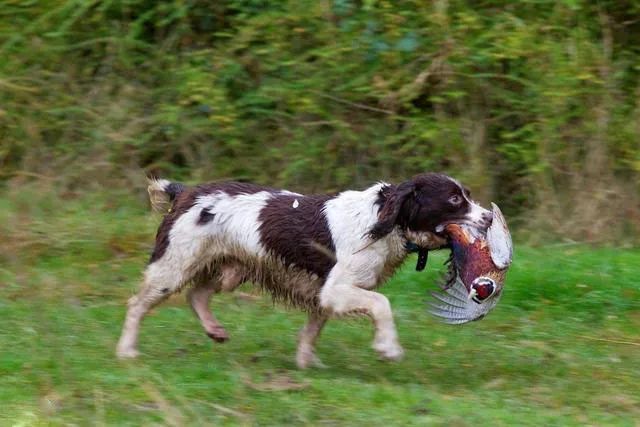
[{"x": 561, "y": 348}]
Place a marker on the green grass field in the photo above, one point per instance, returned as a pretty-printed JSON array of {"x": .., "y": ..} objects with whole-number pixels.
[{"x": 562, "y": 347}]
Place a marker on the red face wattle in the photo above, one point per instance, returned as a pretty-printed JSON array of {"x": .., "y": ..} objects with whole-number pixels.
[
  {"x": 484, "y": 291},
  {"x": 482, "y": 288}
]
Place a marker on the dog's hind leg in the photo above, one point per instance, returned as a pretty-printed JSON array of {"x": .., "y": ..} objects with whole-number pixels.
[
  {"x": 306, "y": 355},
  {"x": 138, "y": 306},
  {"x": 200, "y": 295}
]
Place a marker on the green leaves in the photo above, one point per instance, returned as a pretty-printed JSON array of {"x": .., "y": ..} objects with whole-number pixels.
[{"x": 515, "y": 98}]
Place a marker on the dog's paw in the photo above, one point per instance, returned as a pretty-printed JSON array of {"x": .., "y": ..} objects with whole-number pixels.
[
  {"x": 127, "y": 353},
  {"x": 309, "y": 360},
  {"x": 389, "y": 351},
  {"x": 218, "y": 334}
]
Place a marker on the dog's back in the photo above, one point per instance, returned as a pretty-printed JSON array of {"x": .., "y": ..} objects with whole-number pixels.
[{"x": 275, "y": 238}]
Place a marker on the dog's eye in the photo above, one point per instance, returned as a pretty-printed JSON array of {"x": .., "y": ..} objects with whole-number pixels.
[{"x": 456, "y": 199}]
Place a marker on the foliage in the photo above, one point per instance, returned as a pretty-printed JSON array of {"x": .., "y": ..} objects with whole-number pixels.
[{"x": 533, "y": 103}]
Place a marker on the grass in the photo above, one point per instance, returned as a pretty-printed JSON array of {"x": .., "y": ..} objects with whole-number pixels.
[{"x": 561, "y": 348}]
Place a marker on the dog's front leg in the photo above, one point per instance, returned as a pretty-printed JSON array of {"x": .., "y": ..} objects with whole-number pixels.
[{"x": 343, "y": 295}]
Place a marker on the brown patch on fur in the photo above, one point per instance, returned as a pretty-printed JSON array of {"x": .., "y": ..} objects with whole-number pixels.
[{"x": 299, "y": 235}]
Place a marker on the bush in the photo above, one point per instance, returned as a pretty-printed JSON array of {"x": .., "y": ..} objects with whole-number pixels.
[{"x": 534, "y": 104}]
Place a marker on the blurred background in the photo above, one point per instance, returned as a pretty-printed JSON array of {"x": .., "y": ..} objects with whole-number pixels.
[{"x": 533, "y": 104}]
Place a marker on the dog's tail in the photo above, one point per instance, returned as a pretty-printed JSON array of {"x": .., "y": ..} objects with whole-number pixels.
[{"x": 162, "y": 193}]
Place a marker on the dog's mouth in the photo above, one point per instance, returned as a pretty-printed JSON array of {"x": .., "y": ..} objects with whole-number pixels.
[
  {"x": 478, "y": 227},
  {"x": 476, "y": 271}
]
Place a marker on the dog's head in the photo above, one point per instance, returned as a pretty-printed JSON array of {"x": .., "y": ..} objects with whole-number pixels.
[{"x": 427, "y": 203}]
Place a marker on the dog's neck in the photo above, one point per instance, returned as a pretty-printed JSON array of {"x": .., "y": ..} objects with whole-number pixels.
[
  {"x": 422, "y": 242},
  {"x": 424, "y": 239}
]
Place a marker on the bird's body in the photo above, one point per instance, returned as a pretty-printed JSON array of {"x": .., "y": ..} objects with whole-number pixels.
[{"x": 477, "y": 271}]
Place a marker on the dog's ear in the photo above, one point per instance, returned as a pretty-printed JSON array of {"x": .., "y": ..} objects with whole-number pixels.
[{"x": 388, "y": 215}]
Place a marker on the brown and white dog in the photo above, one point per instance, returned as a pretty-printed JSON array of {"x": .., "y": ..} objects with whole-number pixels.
[{"x": 323, "y": 253}]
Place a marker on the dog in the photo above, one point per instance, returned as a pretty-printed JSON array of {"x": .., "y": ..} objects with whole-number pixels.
[{"x": 323, "y": 253}]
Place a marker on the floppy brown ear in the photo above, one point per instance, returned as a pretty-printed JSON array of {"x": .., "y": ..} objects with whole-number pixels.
[{"x": 388, "y": 215}]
